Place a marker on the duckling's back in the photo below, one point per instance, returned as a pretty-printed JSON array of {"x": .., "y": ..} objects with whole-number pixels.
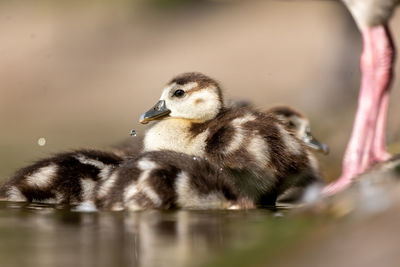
[
  {"x": 260, "y": 153},
  {"x": 168, "y": 180},
  {"x": 65, "y": 178},
  {"x": 103, "y": 180}
]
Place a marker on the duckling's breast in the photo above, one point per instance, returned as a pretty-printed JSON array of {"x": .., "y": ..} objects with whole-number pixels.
[{"x": 175, "y": 135}]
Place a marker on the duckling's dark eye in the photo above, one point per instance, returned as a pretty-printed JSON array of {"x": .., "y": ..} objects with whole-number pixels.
[{"x": 179, "y": 93}]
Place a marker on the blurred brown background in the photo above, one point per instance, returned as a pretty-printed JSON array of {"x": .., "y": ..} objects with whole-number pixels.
[{"x": 80, "y": 73}]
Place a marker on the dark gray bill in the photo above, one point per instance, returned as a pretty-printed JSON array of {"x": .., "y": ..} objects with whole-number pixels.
[
  {"x": 315, "y": 144},
  {"x": 158, "y": 111}
]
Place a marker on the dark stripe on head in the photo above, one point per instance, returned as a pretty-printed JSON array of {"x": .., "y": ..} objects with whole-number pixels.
[
  {"x": 285, "y": 111},
  {"x": 201, "y": 79},
  {"x": 198, "y": 77}
]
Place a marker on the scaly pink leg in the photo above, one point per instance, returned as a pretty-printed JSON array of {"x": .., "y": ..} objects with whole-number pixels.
[
  {"x": 379, "y": 142},
  {"x": 367, "y": 143},
  {"x": 385, "y": 76}
]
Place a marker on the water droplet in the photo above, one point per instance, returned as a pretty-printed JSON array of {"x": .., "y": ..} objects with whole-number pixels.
[
  {"x": 194, "y": 158},
  {"x": 133, "y": 133},
  {"x": 41, "y": 141}
]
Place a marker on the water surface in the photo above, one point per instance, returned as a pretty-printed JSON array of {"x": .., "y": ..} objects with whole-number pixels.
[{"x": 45, "y": 235}]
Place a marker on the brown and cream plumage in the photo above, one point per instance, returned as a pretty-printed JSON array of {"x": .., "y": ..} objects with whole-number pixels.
[
  {"x": 65, "y": 178},
  {"x": 300, "y": 125},
  {"x": 257, "y": 150},
  {"x": 200, "y": 155},
  {"x": 105, "y": 181},
  {"x": 168, "y": 180}
]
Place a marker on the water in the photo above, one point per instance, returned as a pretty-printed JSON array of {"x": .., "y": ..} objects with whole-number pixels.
[
  {"x": 133, "y": 133},
  {"x": 45, "y": 235},
  {"x": 41, "y": 141}
]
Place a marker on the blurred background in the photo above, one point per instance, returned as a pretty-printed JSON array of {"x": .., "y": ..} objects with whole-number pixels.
[{"x": 80, "y": 73}]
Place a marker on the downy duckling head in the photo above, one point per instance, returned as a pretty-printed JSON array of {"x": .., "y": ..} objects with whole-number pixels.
[
  {"x": 300, "y": 125},
  {"x": 192, "y": 96}
]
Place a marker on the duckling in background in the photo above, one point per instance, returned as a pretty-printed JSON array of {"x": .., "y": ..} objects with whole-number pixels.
[
  {"x": 258, "y": 150},
  {"x": 300, "y": 124},
  {"x": 294, "y": 120},
  {"x": 168, "y": 180},
  {"x": 66, "y": 178}
]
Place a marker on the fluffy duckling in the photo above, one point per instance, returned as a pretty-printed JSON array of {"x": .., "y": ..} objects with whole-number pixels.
[
  {"x": 300, "y": 124},
  {"x": 66, "y": 178},
  {"x": 86, "y": 177},
  {"x": 293, "y": 119},
  {"x": 168, "y": 180},
  {"x": 261, "y": 154},
  {"x": 103, "y": 180}
]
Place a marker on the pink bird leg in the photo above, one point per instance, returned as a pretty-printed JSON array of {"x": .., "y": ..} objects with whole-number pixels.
[{"x": 367, "y": 143}]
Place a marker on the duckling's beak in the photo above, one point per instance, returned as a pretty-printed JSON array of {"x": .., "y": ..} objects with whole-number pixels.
[
  {"x": 313, "y": 143},
  {"x": 158, "y": 111}
]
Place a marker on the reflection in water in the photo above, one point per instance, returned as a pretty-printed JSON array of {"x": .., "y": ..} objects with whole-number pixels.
[{"x": 42, "y": 235}]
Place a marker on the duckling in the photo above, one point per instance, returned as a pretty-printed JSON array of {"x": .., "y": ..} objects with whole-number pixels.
[
  {"x": 257, "y": 150},
  {"x": 299, "y": 123},
  {"x": 294, "y": 120},
  {"x": 168, "y": 180},
  {"x": 103, "y": 180},
  {"x": 66, "y": 178}
]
